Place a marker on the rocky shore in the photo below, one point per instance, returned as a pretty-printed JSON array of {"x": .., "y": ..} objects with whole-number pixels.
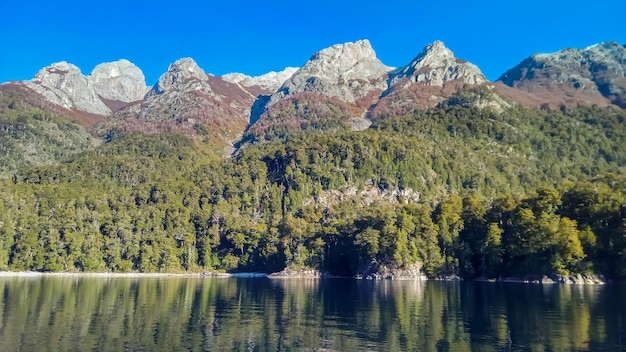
[
  {"x": 127, "y": 275},
  {"x": 376, "y": 271},
  {"x": 579, "y": 279},
  {"x": 371, "y": 272},
  {"x": 299, "y": 273}
]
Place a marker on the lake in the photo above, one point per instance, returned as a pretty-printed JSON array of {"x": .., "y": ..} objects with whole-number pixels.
[{"x": 73, "y": 313}]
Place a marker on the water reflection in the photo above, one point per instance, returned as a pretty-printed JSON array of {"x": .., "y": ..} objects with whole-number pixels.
[{"x": 172, "y": 314}]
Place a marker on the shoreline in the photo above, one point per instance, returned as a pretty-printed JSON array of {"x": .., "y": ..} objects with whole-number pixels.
[
  {"x": 129, "y": 275},
  {"x": 311, "y": 274}
]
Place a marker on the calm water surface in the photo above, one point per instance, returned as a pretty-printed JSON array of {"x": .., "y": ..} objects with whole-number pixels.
[{"x": 219, "y": 314}]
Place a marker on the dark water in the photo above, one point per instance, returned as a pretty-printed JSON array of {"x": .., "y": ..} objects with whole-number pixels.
[{"x": 189, "y": 314}]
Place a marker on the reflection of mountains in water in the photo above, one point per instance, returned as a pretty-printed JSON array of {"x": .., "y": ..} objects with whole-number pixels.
[{"x": 68, "y": 313}]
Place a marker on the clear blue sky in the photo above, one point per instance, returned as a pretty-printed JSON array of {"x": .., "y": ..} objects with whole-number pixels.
[{"x": 254, "y": 37}]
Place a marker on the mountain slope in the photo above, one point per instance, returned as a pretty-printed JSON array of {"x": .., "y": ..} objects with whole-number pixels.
[
  {"x": 30, "y": 136},
  {"x": 265, "y": 84},
  {"x": 188, "y": 100},
  {"x": 464, "y": 191},
  {"x": 342, "y": 87},
  {"x": 593, "y": 75},
  {"x": 434, "y": 75},
  {"x": 63, "y": 84},
  {"x": 336, "y": 85}
]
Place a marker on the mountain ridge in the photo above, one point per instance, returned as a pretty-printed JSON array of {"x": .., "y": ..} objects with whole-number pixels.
[
  {"x": 432, "y": 169},
  {"x": 596, "y": 74},
  {"x": 341, "y": 86}
]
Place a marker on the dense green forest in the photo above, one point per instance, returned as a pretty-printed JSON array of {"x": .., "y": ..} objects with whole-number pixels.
[
  {"x": 464, "y": 191},
  {"x": 31, "y": 136}
]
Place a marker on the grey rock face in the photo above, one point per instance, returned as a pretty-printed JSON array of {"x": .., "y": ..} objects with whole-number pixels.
[
  {"x": 182, "y": 75},
  {"x": 436, "y": 65},
  {"x": 270, "y": 81},
  {"x": 119, "y": 80},
  {"x": 348, "y": 71},
  {"x": 598, "y": 69},
  {"x": 185, "y": 97},
  {"x": 63, "y": 84}
]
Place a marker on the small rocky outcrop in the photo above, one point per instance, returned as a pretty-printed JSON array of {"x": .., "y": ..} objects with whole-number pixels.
[
  {"x": 377, "y": 271},
  {"x": 119, "y": 81},
  {"x": 595, "y": 75},
  {"x": 296, "y": 272},
  {"x": 63, "y": 84},
  {"x": 579, "y": 279},
  {"x": 364, "y": 196}
]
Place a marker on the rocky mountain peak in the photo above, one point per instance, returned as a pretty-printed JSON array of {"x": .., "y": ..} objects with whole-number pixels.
[
  {"x": 63, "y": 84},
  {"x": 270, "y": 81},
  {"x": 56, "y": 73},
  {"x": 182, "y": 74},
  {"x": 352, "y": 60},
  {"x": 55, "y": 70},
  {"x": 434, "y": 53},
  {"x": 595, "y": 74},
  {"x": 436, "y": 65},
  {"x": 348, "y": 71},
  {"x": 611, "y": 51},
  {"x": 119, "y": 80}
]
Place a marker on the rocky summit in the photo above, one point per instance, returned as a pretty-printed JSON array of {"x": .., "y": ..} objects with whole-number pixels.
[
  {"x": 268, "y": 83},
  {"x": 182, "y": 75},
  {"x": 186, "y": 99},
  {"x": 119, "y": 81},
  {"x": 435, "y": 66},
  {"x": 344, "y": 86},
  {"x": 429, "y": 79},
  {"x": 63, "y": 84},
  {"x": 596, "y": 74},
  {"x": 333, "y": 89},
  {"x": 347, "y": 71}
]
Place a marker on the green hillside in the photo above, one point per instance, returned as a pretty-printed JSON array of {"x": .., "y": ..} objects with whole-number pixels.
[
  {"x": 30, "y": 136},
  {"x": 461, "y": 190}
]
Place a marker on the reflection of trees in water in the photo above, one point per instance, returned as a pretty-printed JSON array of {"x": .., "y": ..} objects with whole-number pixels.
[{"x": 169, "y": 314}]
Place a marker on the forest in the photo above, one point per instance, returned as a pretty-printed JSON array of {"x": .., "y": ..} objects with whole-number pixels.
[{"x": 463, "y": 191}]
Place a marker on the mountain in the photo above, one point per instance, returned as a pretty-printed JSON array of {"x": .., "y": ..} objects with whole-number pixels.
[
  {"x": 360, "y": 165},
  {"x": 342, "y": 87},
  {"x": 188, "y": 100},
  {"x": 593, "y": 75},
  {"x": 63, "y": 84},
  {"x": 265, "y": 84},
  {"x": 434, "y": 75},
  {"x": 109, "y": 86},
  {"x": 332, "y": 90},
  {"x": 347, "y": 71},
  {"x": 346, "y": 85},
  {"x": 436, "y": 65},
  {"x": 119, "y": 81}
]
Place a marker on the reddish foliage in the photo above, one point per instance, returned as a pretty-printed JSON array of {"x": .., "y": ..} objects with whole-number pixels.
[
  {"x": 550, "y": 95},
  {"x": 34, "y": 99},
  {"x": 303, "y": 110},
  {"x": 223, "y": 111},
  {"x": 406, "y": 97}
]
